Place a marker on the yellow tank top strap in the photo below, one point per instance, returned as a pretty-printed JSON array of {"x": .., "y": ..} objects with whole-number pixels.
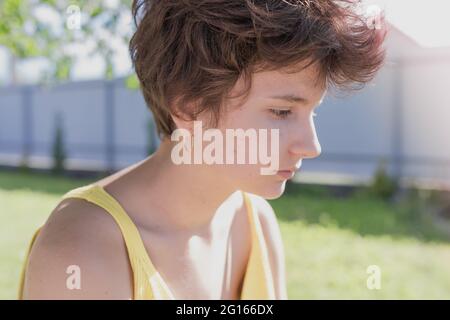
[
  {"x": 148, "y": 284},
  {"x": 143, "y": 270},
  {"x": 25, "y": 263},
  {"x": 258, "y": 282}
]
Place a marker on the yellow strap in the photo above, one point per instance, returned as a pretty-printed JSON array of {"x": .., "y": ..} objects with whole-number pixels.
[
  {"x": 258, "y": 281},
  {"x": 24, "y": 265},
  {"x": 97, "y": 195},
  {"x": 143, "y": 269}
]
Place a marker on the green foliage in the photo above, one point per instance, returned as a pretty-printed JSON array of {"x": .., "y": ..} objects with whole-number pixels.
[
  {"x": 23, "y": 166},
  {"x": 13, "y": 16},
  {"x": 59, "y": 154},
  {"x": 132, "y": 82},
  {"x": 383, "y": 185},
  {"x": 62, "y": 70},
  {"x": 26, "y": 33},
  {"x": 359, "y": 212}
]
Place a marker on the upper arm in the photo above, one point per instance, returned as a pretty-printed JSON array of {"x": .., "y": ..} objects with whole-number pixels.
[
  {"x": 274, "y": 241},
  {"x": 77, "y": 256}
]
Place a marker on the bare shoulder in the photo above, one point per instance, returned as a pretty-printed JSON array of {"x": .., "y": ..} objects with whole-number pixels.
[
  {"x": 272, "y": 235},
  {"x": 78, "y": 254}
]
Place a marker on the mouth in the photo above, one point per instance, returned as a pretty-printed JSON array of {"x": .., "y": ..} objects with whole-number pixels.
[{"x": 287, "y": 174}]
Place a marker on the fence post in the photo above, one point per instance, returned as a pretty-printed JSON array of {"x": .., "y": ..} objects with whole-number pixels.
[
  {"x": 27, "y": 124},
  {"x": 397, "y": 124}
]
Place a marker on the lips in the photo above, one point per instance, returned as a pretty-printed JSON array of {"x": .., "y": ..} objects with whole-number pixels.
[{"x": 286, "y": 174}]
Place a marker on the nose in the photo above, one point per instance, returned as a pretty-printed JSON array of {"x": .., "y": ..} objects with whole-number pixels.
[{"x": 304, "y": 142}]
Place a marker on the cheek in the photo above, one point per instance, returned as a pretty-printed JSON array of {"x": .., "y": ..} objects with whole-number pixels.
[
  {"x": 252, "y": 119},
  {"x": 234, "y": 121},
  {"x": 283, "y": 137},
  {"x": 245, "y": 117}
]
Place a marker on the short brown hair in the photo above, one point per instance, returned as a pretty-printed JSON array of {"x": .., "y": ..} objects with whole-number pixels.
[{"x": 194, "y": 51}]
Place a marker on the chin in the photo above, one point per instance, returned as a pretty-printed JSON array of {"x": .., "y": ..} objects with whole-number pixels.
[{"x": 270, "y": 191}]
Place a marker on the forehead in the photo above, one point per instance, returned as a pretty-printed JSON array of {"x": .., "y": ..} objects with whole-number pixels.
[{"x": 304, "y": 83}]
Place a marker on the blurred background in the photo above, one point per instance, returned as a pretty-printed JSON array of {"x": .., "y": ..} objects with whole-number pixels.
[{"x": 377, "y": 198}]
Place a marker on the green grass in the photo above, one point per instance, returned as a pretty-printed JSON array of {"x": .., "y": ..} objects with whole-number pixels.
[
  {"x": 329, "y": 241},
  {"x": 26, "y": 201}
]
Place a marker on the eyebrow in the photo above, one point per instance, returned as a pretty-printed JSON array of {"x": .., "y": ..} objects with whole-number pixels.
[{"x": 290, "y": 98}]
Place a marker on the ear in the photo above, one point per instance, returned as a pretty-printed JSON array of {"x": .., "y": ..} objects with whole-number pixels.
[
  {"x": 181, "y": 118},
  {"x": 183, "y": 121}
]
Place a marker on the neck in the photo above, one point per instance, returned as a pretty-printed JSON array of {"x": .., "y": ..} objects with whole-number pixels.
[{"x": 190, "y": 198}]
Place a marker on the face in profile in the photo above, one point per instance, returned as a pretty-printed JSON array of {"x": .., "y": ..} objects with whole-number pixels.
[{"x": 281, "y": 101}]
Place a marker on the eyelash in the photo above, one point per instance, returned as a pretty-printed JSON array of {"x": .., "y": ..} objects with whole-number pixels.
[{"x": 283, "y": 114}]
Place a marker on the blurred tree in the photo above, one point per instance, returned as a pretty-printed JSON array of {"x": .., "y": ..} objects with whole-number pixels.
[
  {"x": 59, "y": 153},
  {"x": 54, "y": 29},
  {"x": 383, "y": 185}
]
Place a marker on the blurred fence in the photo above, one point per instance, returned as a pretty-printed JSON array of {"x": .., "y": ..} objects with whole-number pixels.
[
  {"x": 403, "y": 117},
  {"x": 105, "y": 125}
]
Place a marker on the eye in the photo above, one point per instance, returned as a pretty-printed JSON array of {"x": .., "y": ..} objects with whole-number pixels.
[{"x": 282, "y": 114}]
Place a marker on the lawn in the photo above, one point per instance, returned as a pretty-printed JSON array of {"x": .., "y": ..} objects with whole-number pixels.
[{"x": 329, "y": 241}]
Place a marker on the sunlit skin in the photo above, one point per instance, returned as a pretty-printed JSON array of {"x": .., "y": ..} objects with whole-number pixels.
[
  {"x": 215, "y": 183},
  {"x": 188, "y": 215}
]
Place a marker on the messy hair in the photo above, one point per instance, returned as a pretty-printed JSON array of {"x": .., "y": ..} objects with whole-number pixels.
[{"x": 192, "y": 52}]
